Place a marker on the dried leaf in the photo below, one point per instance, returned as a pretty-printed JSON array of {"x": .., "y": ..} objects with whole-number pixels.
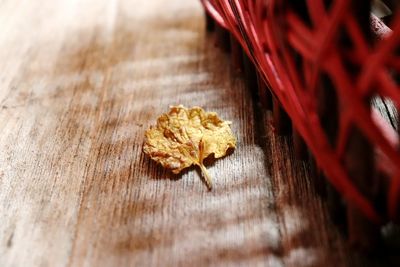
[{"x": 183, "y": 137}]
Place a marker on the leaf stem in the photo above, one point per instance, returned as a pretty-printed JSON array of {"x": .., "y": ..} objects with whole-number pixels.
[{"x": 206, "y": 176}]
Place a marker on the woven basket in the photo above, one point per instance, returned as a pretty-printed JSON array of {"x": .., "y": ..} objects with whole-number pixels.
[{"x": 326, "y": 64}]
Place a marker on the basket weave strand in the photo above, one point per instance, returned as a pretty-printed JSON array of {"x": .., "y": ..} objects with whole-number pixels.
[{"x": 276, "y": 37}]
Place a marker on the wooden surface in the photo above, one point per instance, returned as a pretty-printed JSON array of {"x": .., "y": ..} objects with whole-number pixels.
[{"x": 80, "y": 82}]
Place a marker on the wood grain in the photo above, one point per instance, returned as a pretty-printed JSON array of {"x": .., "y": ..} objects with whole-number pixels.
[{"x": 80, "y": 83}]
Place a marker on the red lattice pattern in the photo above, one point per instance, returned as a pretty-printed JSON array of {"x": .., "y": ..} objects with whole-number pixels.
[{"x": 275, "y": 37}]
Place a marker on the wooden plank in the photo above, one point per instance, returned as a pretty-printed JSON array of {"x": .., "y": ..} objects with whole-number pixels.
[{"x": 80, "y": 83}]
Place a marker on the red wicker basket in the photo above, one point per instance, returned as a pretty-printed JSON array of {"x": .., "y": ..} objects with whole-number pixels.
[{"x": 325, "y": 64}]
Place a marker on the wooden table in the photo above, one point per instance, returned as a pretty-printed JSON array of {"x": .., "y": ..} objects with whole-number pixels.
[{"x": 80, "y": 82}]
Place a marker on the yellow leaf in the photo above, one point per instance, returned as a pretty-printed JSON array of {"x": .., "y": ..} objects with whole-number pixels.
[{"x": 184, "y": 137}]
